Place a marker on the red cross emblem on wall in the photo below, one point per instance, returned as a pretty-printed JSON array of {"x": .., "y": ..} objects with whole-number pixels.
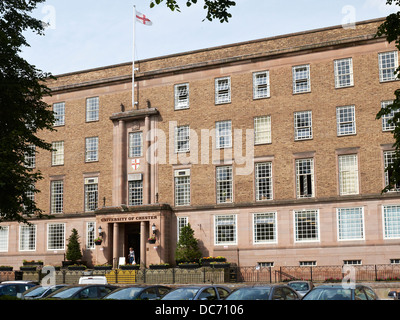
[{"x": 135, "y": 164}]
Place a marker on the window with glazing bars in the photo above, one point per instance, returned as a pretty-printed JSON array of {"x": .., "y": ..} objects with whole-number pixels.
[
  {"x": 388, "y": 63},
  {"x": 303, "y": 125},
  {"x": 182, "y": 187},
  {"x": 346, "y": 120},
  {"x": 27, "y": 238},
  {"x": 223, "y": 134},
  {"x": 350, "y": 223},
  {"x": 182, "y": 139},
  {"x": 91, "y": 194},
  {"x": 135, "y": 144},
  {"x": 4, "y": 232},
  {"x": 92, "y": 149},
  {"x": 264, "y": 227},
  {"x": 306, "y": 225},
  {"x": 225, "y": 229},
  {"x": 301, "y": 79},
  {"x": 387, "y": 119},
  {"x": 59, "y": 114},
  {"x": 181, "y": 96},
  {"x": 135, "y": 193},
  {"x": 57, "y": 196},
  {"x": 56, "y": 236},
  {"x": 30, "y": 157},
  {"x": 262, "y": 130},
  {"x": 348, "y": 174},
  {"x": 389, "y": 157},
  {"x": 182, "y": 222},
  {"x": 90, "y": 235},
  {"x": 263, "y": 180},
  {"x": 57, "y": 154},
  {"x": 261, "y": 85},
  {"x": 391, "y": 221},
  {"x": 224, "y": 184},
  {"x": 92, "y": 109},
  {"x": 222, "y": 90},
  {"x": 305, "y": 178},
  {"x": 344, "y": 73}
]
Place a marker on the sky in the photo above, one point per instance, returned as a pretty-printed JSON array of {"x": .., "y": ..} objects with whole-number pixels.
[{"x": 88, "y": 34}]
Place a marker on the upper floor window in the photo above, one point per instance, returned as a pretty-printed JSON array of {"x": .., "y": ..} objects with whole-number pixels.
[
  {"x": 301, "y": 79},
  {"x": 91, "y": 194},
  {"x": 57, "y": 155},
  {"x": 305, "y": 178},
  {"x": 224, "y": 184},
  {"x": 348, "y": 174},
  {"x": 222, "y": 90},
  {"x": 56, "y": 196},
  {"x": 92, "y": 149},
  {"x": 223, "y": 135},
  {"x": 388, "y": 63},
  {"x": 92, "y": 109},
  {"x": 135, "y": 191},
  {"x": 261, "y": 85},
  {"x": 262, "y": 130},
  {"x": 387, "y": 124},
  {"x": 303, "y": 125},
  {"x": 30, "y": 157},
  {"x": 346, "y": 120},
  {"x": 181, "y": 96},
  {"x": 182, "y": 139},
  {"x": 182, "y": 187},
  {"x": 263, "y": 179},
  {"x": 344, "y": 73},
  {"x": 135, "y": 144},
  {"x": 59, "y": 114},
  {"x": 388, "y": 158}
]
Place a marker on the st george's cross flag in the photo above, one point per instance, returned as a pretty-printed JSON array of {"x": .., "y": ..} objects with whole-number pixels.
[{"x": 140, "y": 17}]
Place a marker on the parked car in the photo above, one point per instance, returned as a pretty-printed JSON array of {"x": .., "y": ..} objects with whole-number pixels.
[
  {"x": 301, "y": 287},
  {"x": 39, "y": 292},
  {"x": 339, "y": 292},
  {"x": 94, "y": 291},
  {"x": 93, "y": 280},
  {"x": 15, "y": 288},
  {"x": 206, "y": 292},
  {"x": 264, "y": 292},
  {"x": 155, "y": 292}
]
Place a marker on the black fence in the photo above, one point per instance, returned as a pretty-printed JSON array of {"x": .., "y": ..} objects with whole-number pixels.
[{"x": 233, "y": 274}]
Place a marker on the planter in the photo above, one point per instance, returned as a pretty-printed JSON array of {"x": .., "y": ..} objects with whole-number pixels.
[
  {"x": 27, "y": 268},
  {"x": 129, "y": 267},
  {"x": 152, "y": 241},
  {"x": 67, "y": 263},
  {"x": 32, "y": 263},
  {"x": 159, "y": 266},
  {"x": 98, "y": 243},
  {"x": 76, "y": 268},
  {"x": 220, "y": 265},
  {"x": 4, "y": 268},
  {"x": 102, "y": 268},
  {"x": 207, "y": 262},
  {"x": 189, "y": 266}
]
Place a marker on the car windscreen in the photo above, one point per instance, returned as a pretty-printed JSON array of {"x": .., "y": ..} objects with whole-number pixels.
[
  {"x": 299, "y": 286},
  {"x": 249, "y": 294},
  {"x": 181, "y": 294},
  {"x": 36, "y": 292},
  {"x": 67, "y": 293},
  {"x": 329, "y": 294},
  {"x": 125, "y": 294}
]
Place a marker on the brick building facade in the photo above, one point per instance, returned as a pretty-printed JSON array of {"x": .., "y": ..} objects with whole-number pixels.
[{"x": 270, "y": 149}]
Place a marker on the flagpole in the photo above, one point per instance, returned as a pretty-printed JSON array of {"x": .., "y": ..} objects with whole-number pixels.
[{"x": 133, "y": 59}]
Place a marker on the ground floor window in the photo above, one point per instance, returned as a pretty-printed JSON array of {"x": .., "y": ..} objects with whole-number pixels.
[
  {"x": 225, "y": 229},
  {"x": 27, "y": 238},
  {"x": 306, "y": 225},
  {"x": 391, "y": 222},
  {"x": 4, "y": 239},
  {"x": 56, "y": 236},
  {"x": 350, "y": 223},
  {"x": 264, "y": 226}
]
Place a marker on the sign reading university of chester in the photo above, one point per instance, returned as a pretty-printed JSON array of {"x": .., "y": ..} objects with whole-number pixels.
[{"x": 128, "y": 218}]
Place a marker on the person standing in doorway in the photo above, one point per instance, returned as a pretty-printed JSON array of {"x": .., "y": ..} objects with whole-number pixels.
[{"x": 131, "y": 256}]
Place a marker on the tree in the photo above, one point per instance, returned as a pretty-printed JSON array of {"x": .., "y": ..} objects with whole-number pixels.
[
  {"x": 187, "y": 249},
  {"x": 216, "y": 9},
  {"x": 23, "y": 114},
  {"x": 73, "y": 253}
]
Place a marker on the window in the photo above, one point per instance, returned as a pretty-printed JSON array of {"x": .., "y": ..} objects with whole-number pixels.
[
  {"x": 91, "y": 149},
  {"x": 135, "y": 192},
  {"x": 348, "y": 174},
  {"x": 394, "y": 261},
  {"x": 90, "y": 234},
  {"x": 182, "y": 222},
  {"x": 56, "y": 236},
  {"x": 344, "y": 73},
  {"x": 91, "y": 194},
  {"x": 346, "y": 121},
  {"x": 262, "y": 130},
  {"x": 222, "y": 90},
  {"x": 305, "y": 178},
  {"x": 352, "y": 262},
  {"x": 30, "y": 157},
  {"x": 388, "y": 63},
  {"x": 224, "y": 184},
  {"x": 27, "y": 238},
  {"x": 301, "y": 79},
  {"x": 303, "y": 125},
  {"x": 387, "y": 124},
  {"x": 261, "y": 85},
  {"x": 389, "y": 157},
  {"x": 391, "y": 222},
  {"x": 307, "y": 263},
  {"x": 30, "y": 195},
  {"x": 4, "y": 232},
  {"x": 92, "y": 109},
  {"x": 223, "y": 134},
  {"x": 182, "y": 139},
  {"x": 59, "y": 114},
  {"x": 225, "y": 229},
  {"x": 182, "y": 96},
  {"x": 264, "y": 226},
  {"x": 306, "y": 225},
  {"x": 182, "y": 187},
  {"x": 57, "y": 155},
  {"x": 135, "y": 144},
  {"x": 263, "y": 181},
  {"x": 350, "y": 223},
  {"x": 57, "y": 196}
]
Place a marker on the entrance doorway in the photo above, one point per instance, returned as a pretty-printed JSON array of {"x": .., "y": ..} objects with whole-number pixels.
[{"x": 132, "y": 239}]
